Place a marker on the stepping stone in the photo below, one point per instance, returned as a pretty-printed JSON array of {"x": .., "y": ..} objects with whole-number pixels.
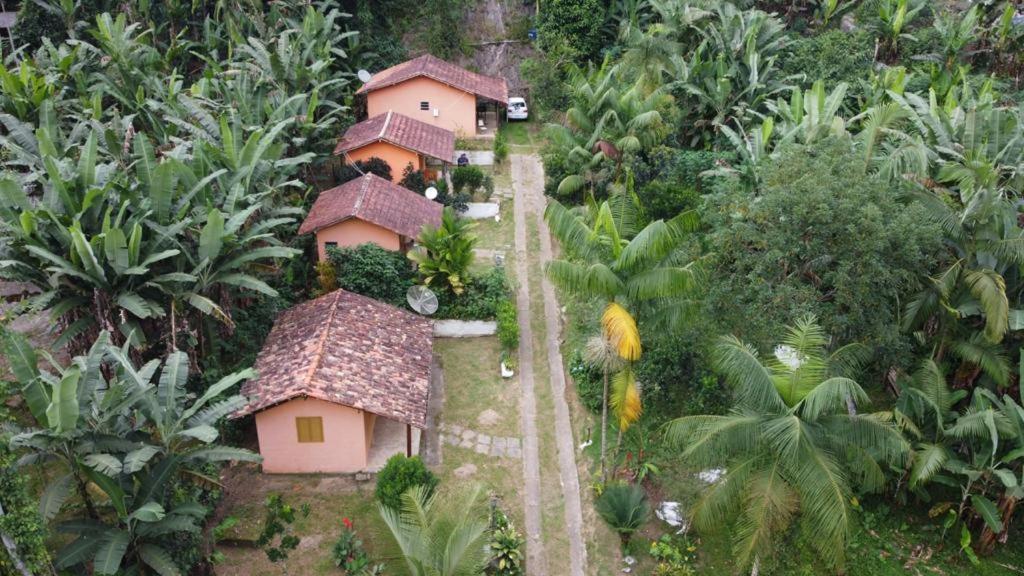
[
  {"x": 456, "y": 429},
  {"x": 513, "y": 442},
  {"x": 466, "y": 443},
  {"x": 500, "y": 442},
  {"x": 482, "y": 449},
  {"x": 465, "y": 471},
  {"x": 498, "y": 451},
  {"x": 514, "y": 452},
  {"x": 484, "y": 439},
  {"x": 468, "y": 434},
  {"x": 488, "y": 418}
]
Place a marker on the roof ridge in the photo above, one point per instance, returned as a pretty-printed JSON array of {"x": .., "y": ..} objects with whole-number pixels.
[
  {"x": 384, "y": 128},
  {"x": 362, "y": 193},
  {"x": 315, "y": 364}
]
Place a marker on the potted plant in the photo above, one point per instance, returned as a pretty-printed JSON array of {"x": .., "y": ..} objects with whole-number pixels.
[{"x": 508, "y": 365}]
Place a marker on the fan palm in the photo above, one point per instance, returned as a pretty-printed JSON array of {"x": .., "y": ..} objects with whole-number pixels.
[
  {"x": 440, "y": 535},
  {"x": 794, "y": 446}
]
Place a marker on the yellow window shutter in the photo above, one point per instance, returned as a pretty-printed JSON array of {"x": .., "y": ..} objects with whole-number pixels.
[{"x": 310, "y": 428}]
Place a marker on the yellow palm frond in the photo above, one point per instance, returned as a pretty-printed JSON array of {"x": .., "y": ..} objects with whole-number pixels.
[
  {"x": 620, "y": 329},
  {"x": 625, "y": 398}
]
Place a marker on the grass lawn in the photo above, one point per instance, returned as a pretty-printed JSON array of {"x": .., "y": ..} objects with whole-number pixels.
[
  {"x": 472, "y": 385},
  {"x": 522, "y": 132},
  {"x": 329, "y": 498},
  {"x": 493, "y": 235}
]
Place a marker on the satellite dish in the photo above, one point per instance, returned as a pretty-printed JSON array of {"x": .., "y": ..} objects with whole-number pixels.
[
  {"x": 422, "y": 300},
  {"x": 364, "y": 76},
  {"x": 430, "y": 193}
]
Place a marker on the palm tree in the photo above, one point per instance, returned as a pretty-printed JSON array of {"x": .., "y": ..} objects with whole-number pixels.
[
  {"x": 794, "y": 447},
  {"x": 445, "y": 253},
  {"x": 626, "y": 268},
  {"x": 440, "y": 535},
  {"x": 600, "y": 353}
]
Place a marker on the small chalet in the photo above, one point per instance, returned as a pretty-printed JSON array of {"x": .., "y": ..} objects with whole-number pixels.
[
  {"x": 443, "y": 94},
  {"x": 369, "y": 209},
  {"x": 399, "y": 141},
  {"x": 343, "y": 385}
]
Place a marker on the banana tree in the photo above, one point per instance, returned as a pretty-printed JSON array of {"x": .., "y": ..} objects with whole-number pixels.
[{"x": 127, "y": 438}]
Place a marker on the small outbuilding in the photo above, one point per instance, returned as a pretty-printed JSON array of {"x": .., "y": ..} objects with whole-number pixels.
[
  {"x": 440, "y": 93},
  {"x": 343, "y": 384},
  {"x": 369, "y": 209},
  {"x": 399, "y": 141}
]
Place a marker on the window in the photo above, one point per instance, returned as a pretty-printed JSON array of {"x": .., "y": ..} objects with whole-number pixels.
[
  {"x": 424, "y": 105},
  {"x": 310, "y": 428},
  {"x": 328, "y": 245}
]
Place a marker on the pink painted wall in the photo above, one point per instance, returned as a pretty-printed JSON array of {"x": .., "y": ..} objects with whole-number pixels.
[
  {"x": 353, "y": 232},
  {"x": 343, "y": 450},
  {"x": 396, "y": 157},
  {"x": 368, "y": 422},
  {"x": 457, "y": 109}
]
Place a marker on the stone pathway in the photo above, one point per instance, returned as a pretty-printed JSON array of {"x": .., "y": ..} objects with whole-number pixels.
[
  {"x": 563, "y": 424},
  {"x": 497, "y": 446},
  {"x": 536, "y": 565}
]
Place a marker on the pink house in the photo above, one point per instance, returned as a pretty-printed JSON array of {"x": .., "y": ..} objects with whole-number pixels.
[
  {"x": 399, "y": 141},
  {"x": 439, "y": 93},
  {"x": 343, "y": 385},
  {"x": 369, "y": 209}
]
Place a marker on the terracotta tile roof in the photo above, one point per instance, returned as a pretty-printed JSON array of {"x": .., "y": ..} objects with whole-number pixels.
[
  {"x": 490, "y": 87},
  {"x": 350, "y": 350},
  {"x": 401, "y": 131},
  {"x": 375, "y": 200}
]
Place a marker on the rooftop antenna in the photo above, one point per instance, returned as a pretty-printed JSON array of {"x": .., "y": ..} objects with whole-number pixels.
[
  {"x": 421, "y": 299},
  {"x": 364, "y": 76}
]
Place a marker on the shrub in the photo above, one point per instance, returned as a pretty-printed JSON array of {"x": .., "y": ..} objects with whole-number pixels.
[
  {"x": 589, "y": 382},
  {"x": 822, "y": 238},
  {"x": 625, "y": 508},
  {"x": 662, "y": 201},
  {"x": 372, "y": 271},
  {"x": 479, "y": 300},
  {"x": 326, "y": 277},
  {"x": 398, "y": 475},
  {"x": 463, "y": 177},
  {"x": 577, "y": 23},
  {"x": 413, "y": 179},
  {"x": 349, "y": 554},
  {"x": 20, "y": 520},
  {"x": 458, "y": 202},
  {"x": 506, "y": 547},
  {"x": 372, "y": 165},
  {"x": 678, "y": 379},
  {"x": 508, "y": 325},
  {"x": 500, "y": 146},
  {"x": 834, "y": 56}
]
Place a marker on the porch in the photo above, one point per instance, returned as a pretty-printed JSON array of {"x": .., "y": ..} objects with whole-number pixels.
[
  {"x": 488, "y": 117},
  {"x": 391, "y": 437}
]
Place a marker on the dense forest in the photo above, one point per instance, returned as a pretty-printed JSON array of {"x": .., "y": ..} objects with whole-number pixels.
[{"x": 791, "y": 256}]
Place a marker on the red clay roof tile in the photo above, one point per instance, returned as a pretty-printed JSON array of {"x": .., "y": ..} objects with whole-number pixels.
[
  {"x": 401, "y": 131},
  {"x": 490, "y": 87},
  {"x": 350, "y": 350},
  {"x": 375, "y": 200}
]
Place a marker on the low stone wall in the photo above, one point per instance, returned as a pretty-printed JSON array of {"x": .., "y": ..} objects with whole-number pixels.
[{"x": 464, "y": 328}]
